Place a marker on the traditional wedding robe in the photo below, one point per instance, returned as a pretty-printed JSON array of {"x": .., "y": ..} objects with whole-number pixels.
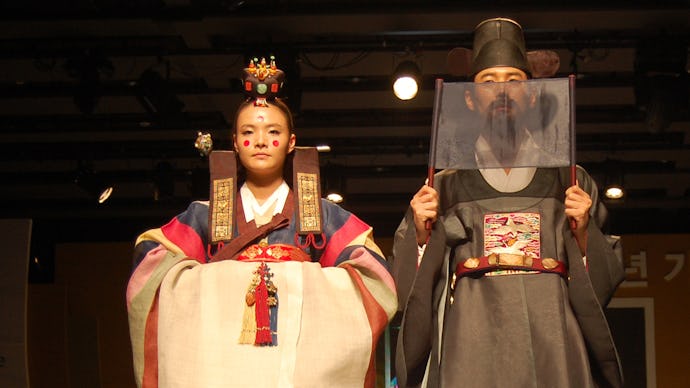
[{"x": 186, "y": 313}]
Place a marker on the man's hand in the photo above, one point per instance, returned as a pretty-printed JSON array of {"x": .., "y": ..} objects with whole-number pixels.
[
  {"x": 424, "y": 206},
  {"x": 577, "y": 205}
]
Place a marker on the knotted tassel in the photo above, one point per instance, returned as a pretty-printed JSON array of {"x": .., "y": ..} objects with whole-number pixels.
[
  {"x": 310, "y": 240},
  {"x": 263, "y": 328},
  {"x": 248, "y": 331}
]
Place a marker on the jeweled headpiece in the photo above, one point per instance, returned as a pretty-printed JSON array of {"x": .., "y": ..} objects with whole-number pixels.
[{"x": 262, "y": 81}]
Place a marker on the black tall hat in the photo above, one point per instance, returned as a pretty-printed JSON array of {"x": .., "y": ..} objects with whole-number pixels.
[{"x": 499, "y": 42}]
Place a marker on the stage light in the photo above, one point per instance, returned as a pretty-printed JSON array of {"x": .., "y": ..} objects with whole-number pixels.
[
  {"x": 156, "y": 94},
  {"x": 334, "y": 197},
  {"x": 661, "y": 80},
  {"x": 406, "y": 79},
  {"x": 87, "y": 68},
  {"x": 614, "y": 192},
  {"x": 93, "y": 184},
  {"x": 334, "y": 183},
  {"x": 614, "y": 187}
]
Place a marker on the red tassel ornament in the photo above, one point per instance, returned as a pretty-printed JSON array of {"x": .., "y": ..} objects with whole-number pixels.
[
  {"x": 263, "y": 324},
  {"x": 259, "y": 323}
]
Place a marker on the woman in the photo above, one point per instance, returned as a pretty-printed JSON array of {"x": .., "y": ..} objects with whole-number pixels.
[{"x": 273, "y": 303}]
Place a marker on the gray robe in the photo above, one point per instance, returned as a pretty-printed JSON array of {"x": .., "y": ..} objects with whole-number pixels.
[{"x": 520, "y": 330}]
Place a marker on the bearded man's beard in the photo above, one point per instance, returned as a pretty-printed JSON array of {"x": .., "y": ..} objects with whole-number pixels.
[{"x": 502, "y": 131}]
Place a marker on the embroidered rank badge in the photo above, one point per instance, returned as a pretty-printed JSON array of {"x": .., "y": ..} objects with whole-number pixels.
[{"x": 517, "y": 233}]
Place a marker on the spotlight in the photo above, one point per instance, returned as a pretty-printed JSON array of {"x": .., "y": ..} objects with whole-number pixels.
[
  {"x": 334, "y": 197},
  {"x": 614, "y": 192},
  {"x": 156, "y": 94},
  {"x": 93, "y": 184},
  {"x": 614, "y": 180},
  {"x": 334, "y": 184},
  {"x": 87, "y": 68},
  {"x": 661, "y": 80},
  {"x": 406, "y": 80}
]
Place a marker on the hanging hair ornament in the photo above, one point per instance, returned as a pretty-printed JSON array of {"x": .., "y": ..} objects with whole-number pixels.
[
  {"x": 262, "y": 81},
  {"x": 203, "y": 143}
]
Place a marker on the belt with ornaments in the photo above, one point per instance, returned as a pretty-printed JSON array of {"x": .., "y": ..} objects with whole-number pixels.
[
  {"x": 508, "y": 261},
  {"x": 273, "y": 253}
]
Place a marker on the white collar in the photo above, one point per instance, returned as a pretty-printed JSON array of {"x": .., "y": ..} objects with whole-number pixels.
[
  {"x": 251, "y": 206},
  {"x": 517, "y": 178}
]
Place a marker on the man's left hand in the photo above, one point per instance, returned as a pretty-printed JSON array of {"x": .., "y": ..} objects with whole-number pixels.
[{"x": 577, "y": 205}]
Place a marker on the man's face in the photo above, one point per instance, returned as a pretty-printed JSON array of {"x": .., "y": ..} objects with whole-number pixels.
[
  {"x": 495, "y": 94},
  {"x": 501, "y": 101}
]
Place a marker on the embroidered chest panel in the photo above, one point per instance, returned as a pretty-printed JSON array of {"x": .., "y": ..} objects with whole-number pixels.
[{"x": 517, "y": 233}]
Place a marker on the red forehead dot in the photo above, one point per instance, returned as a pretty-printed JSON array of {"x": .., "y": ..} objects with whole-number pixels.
[
  {"x": 275, "y": 143},
  {"x": 260, "y": 118},
  {"x": 246, "y": 143}
]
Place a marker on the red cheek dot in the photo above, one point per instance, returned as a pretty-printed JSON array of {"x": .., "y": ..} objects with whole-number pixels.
[
  {"x": 275, "y": 143},
  {"x": 246, "y": 143}
]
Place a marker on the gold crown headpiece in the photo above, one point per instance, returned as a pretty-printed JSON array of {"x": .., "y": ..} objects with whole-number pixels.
[{"x": 262, "y": 80}]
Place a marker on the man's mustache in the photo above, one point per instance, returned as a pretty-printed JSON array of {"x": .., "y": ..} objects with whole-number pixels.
[{"x": 502, "y": 102}]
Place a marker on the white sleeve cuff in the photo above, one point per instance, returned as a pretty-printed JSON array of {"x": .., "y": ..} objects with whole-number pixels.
[{"x": 420, "y": 253}]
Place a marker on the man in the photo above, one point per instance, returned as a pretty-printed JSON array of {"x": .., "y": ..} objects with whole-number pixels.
[{"x": 503, "y": 291}]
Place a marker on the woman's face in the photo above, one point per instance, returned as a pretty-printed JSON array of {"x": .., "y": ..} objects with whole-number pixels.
[{"x": 263, "y": 140}]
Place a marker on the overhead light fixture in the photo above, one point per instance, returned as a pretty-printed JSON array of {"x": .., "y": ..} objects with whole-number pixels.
[
  {"x": 87, "y": 68},
  {"x": 334, "y": 184},
  {"x": 614, "y": 192},
  {"x": 93, "y": 184},
  {"x": 661, "y": 80},
  {"x": 406, "y": 79},
  {"x": 156, "y": 94},
  {"x": 614, "y": 188},
  {"x": 334, "y": 197}
]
